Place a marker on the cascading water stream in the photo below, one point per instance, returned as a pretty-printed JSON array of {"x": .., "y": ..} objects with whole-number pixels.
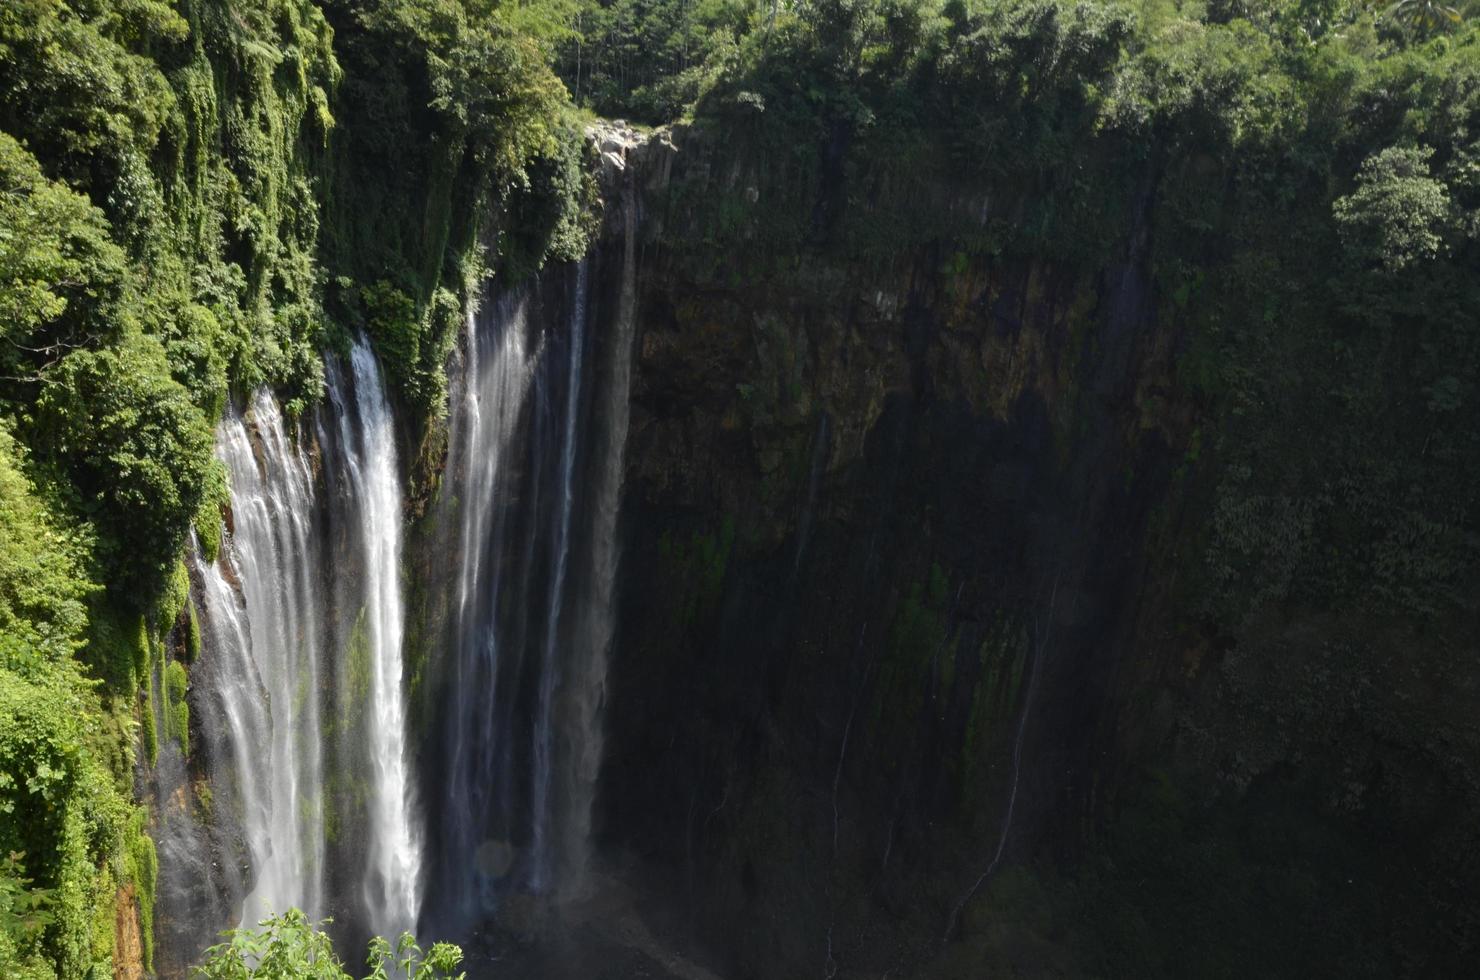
[
  {"x": 587, "y": 687},
  {"x": 260, "y": 603},
  {"x": 545, "y": 722},
  {"x": 302, "y": 680},
  {"x": 367, "y": 437},
  {"x": 484, "y": 424},
  {"x": 531, "y": 498},
  {"x": 300, "y": 685}
]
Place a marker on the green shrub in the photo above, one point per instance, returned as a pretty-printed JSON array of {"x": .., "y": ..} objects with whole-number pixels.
[
  {"x": 117, "y": 650},
  {"x": 397, "y": 332},
  {"x": 44, "y": 587},
  {"x": 23, "y": 917},
  {"x": 58, "y": 807},
  {"x": 288, "y": 947},
  {"x": 213, "y": 504},
  {"x": 130, "y": 437}
]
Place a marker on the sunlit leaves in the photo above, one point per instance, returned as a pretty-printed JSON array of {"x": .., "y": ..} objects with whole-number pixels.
[
  {"x": 288, "y": 947},
  {"x": 1397, "y": 214}
]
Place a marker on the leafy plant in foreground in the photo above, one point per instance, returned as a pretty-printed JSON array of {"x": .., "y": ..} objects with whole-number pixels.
[{"x": 288, "y": 947}]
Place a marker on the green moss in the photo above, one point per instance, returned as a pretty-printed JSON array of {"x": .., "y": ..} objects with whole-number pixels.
[
  {"x": 141, "y": 866},
  {"x": 917, "y": 666},
  {"x": 192, "y": 633},
  {"x": 175, "y": 681},
  {"x": 698, "y": 567},
  {"x": 205, "y": 800},
  {"x": 172, "y": 599},
  {"x": 1002, "y": 657},
  {"x": 117, "y": 648},
  {"x": 176, "y": 707},
  {"x": 149, "y": 725},
  {"x": 712, "y": 555},
  {"x": 208, "y": 520},
  {"x": 948, "y": 668},
  {"x": 358, "y": 673},
  {"x": 918, "y": 631}
]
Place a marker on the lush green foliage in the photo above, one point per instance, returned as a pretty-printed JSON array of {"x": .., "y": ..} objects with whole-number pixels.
[
  {"x": 23, "y": 915},
  {"x": 135, "y": 447},
  {"x": 449, "y": 115},
  {"x": 43, "y": 588},
  {"x": 202, "y": 196},
  {"x": 60, "y": 272},
  {"x": 198, "y": 197},
  {"x": 62, "y": 811},
  {"x": 1397, "y": 213},
  {"x": 64, "y": 776},
  {"x": 288, "y": 947},
  {"x": 650, "y": 60}
]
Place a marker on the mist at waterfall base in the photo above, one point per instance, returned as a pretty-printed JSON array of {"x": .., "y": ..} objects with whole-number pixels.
[{"x": 332, "y": 771}]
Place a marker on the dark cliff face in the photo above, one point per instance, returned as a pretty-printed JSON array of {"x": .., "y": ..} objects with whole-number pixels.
[
  {"x": 907, "y": 677},
  {"x": 885, "y": 543}
]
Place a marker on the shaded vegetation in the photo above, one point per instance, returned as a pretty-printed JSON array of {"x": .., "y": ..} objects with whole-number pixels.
[
  {"x": 1280, "y": 199},
  {"x": 1297, "y": 182}
]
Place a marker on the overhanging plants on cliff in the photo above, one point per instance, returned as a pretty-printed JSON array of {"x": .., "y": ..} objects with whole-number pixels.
[{"x": 450, "y": 122}]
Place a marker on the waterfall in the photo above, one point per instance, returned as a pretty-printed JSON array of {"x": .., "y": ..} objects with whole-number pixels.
[
  {"x": 263, "y": 633},
  {"x": 545, "y": 721},
  {"x": 300, "y": 686},
  {"x": 484, "y": 426},
  {"x": 502, "y": 654},
  {"x": 530, "y": 498},
  {"x": 302, "y": 683},
  {"x": 587, "y": 688},
  {"x": 367, "y": 438}
]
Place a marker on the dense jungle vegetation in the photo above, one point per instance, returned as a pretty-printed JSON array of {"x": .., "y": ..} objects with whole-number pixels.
[{"x": 202, "y": 196}]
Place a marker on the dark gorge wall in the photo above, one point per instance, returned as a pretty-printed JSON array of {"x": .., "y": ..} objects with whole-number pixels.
[
  {"x": 910, "y": 675},
  {"x": 885, "y": 544}
]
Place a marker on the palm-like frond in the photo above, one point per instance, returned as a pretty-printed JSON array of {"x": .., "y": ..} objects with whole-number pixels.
[{"x": 1423, "y": 16}]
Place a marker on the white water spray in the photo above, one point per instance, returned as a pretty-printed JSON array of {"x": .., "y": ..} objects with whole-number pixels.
[
  {"x": 392, "y": 880},
  {"x": 496, "y": 377},
  {"x": 260, "y": 605},
  {"x": 544, "y": 748},
  {"x": 587, "y": 686}
]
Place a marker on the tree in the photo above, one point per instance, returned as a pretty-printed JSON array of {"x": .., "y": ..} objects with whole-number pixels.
[
  {"x": 1397, "y": 214},
  {"x": 1423, "y": 16},
  {"x": 58, "y": 268},
  {"x": 129, "y": 438},
  {"x": 23, "y": 916}
]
